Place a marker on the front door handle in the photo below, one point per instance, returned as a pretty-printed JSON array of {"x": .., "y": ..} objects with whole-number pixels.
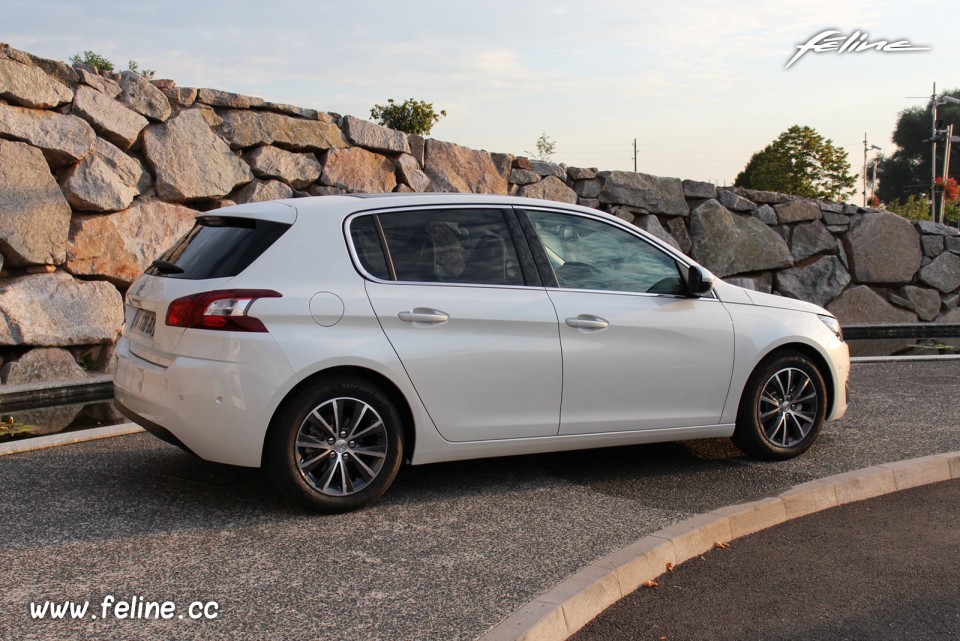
[
  {"x": 424, "y": 315},
  {"x": 587, "y": 322}
]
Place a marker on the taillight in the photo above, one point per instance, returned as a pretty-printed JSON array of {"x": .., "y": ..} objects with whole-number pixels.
[{"x": 224, "y": 310}]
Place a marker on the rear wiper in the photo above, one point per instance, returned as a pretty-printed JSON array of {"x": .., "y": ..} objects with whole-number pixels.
[{"x": 166, "y": 266}]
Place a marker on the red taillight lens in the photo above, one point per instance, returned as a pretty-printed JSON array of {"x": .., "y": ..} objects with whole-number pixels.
[{"x": 224, "y": 310}]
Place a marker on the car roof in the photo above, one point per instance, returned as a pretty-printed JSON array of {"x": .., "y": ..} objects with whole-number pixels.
[{"x": 345, "y": 204}]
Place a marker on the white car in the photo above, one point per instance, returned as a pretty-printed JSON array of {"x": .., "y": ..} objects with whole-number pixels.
[{"x": 330, "y": 339}]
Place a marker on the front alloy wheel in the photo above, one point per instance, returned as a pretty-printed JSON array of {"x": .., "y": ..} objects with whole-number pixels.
[
  {"x": 782, "y": 408},
  {"x": 787, "y": 407}
]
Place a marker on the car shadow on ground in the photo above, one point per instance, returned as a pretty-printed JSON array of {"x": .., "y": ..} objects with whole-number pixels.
[{"x": 138, "y": 486}]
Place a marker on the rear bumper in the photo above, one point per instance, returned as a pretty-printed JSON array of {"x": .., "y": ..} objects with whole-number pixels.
[
  {"x": 217, "y": 410},
  {"x": 157, "y": 430}
]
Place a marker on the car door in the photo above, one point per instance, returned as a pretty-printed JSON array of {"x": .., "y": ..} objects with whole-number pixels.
[
  {"x": 480, "y": 345},
  {"x": 638, "y": 353}
]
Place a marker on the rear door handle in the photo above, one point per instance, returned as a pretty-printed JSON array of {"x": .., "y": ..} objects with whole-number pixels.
[
  {"x": 424, "y": 315},
  {"x": 587, "y": 322}
]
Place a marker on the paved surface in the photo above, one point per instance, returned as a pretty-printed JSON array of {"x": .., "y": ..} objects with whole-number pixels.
[
  {"x": 451, "y": 550},
  {"x": 885, "y": 568}
]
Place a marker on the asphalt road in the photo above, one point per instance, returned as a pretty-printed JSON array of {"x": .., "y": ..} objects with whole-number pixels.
[
  {"x": 451, "y": 550},
  {"x": 886, "y": 568}
]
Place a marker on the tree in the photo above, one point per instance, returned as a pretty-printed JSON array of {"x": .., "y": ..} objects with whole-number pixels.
[
  {"x": 411, "y": 116},
  {"x": 545, "y": 148},
  {"x": 907, "y": 171},
  {"x": 93, "y": 59},
  {"x": 800, "y": 162}
]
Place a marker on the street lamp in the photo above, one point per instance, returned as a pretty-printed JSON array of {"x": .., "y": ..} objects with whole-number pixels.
[{"x": 944, "y": 99}]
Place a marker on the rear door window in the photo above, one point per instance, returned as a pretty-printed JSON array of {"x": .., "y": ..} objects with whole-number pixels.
[
  {"x": 217, "y": 247},
  {"x": 470, "y": 246}
]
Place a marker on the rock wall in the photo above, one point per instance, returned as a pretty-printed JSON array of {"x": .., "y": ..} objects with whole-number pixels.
[{"x": 100, "y": 172}]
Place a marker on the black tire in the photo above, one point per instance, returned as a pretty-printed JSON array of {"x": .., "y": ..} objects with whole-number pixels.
[
  {"x": 782, "y": 408},
  {"x": 335, "y": 447}
]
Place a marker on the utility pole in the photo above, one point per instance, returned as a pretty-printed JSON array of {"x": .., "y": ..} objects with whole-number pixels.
[
  {"x": 634, "y": 155},
  {"x": 933, "y": 155},
  {"x": 864, "y": 169},
  {"x": 867, "y": 147},
  {"x": 946, "y": 171}
]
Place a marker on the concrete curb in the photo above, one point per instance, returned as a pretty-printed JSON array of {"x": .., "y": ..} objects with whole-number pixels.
[
  {"x": 68, "y": 438},
  {"x": 563, "y": 610}
]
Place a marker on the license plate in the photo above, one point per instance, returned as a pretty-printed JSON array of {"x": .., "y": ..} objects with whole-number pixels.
[{"x": 144, "y": 322}]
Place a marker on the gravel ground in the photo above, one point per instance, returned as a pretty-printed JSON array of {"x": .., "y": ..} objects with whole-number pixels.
[{"x": 451, "y": 550}]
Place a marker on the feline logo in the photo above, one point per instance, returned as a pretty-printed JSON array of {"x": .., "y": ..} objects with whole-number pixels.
[{"x": 856, "y": 42}]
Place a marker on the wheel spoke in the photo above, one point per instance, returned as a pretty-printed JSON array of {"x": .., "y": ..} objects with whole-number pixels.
[
  {"x": 366, "y": 430},
  {"x": 766, "y": 415},
  {"x": 318, "y": 418},
  {"x": 358, "y": 416},
  {"x": 781, "y": 423},
  {"x": 783, "y": 391},
  {"x": 800, "y": 429},
  {"x": 336, "y": 417},
  {"x": 311, "y": 463},
  {"x": 366, "y": 451},
  {"x": 330, "y": 474},
  {"x": 370, "y": 473},
  {"x": 310, "y": 441},
  {"x": 345, "y": 485}
]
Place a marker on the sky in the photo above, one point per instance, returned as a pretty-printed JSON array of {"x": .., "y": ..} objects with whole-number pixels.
[{"x": 700, "y": 84}]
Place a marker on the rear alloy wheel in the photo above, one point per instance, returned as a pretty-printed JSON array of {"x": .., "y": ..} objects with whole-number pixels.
[
  {"x": 335, "y": 448},
  {"x": 782, "y": 408}
]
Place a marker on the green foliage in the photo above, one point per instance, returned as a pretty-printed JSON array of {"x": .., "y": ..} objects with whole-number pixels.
[
  {"x": 545, "y": 148},
  {"x": 800, "y": 162},
  {"x": 411, "y": 116},
  {"x": 97, "y": 61},
  {"x": 134, "y": 66},
  {"x": 906, "y": 172},
  {"x": 93, "y": 59},
  {"x": 918, "y": 208}
]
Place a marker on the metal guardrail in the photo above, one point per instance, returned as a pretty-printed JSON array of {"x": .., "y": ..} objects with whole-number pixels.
[
  {"x": 35, "y": 395},
  {"x": 909, "y": 330}
]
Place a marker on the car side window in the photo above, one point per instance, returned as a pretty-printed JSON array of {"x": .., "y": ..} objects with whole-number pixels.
[
  {"x": 469, "y": 246},
  {"x": 590, "y": 254}
]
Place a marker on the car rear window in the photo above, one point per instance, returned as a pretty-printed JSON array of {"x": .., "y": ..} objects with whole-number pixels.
[{"x": 217, "y": 247}]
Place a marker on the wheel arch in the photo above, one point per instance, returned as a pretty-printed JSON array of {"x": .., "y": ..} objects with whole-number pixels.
[{"x": 361, "y": 373}]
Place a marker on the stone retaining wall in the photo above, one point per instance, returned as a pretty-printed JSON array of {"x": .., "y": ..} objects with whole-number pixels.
[{"x": 99, "y": 173}]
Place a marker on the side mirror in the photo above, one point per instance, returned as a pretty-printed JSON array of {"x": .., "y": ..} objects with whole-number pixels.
[{"x": 699, "y": 282}]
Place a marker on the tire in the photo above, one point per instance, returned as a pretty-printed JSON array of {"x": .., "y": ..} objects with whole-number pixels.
[
  {"x": 335, "y": 447},
  {"x": 782, "y": 408}
]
